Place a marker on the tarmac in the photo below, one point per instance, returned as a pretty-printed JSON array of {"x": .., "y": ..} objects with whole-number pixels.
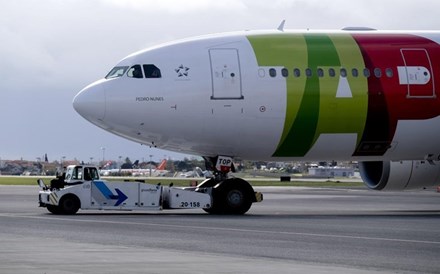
[{"x": 295, "y": 229}]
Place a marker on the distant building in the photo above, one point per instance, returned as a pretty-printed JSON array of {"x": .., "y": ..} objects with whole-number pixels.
[{"x": 330, "y": 172}]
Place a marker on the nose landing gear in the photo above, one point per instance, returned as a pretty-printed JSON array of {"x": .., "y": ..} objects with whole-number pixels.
[{"x": 233, "y": 196}]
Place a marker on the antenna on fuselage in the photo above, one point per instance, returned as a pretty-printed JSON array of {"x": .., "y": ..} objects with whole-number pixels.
[{"x": 281, "y": 26}]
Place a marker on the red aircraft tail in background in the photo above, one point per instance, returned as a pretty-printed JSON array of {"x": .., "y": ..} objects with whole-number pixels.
[{"x": 162, "y": 165}]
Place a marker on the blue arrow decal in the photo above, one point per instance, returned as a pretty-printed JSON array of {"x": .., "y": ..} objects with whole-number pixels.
[
  {"x": 104, "y": 189},
  {"x": 120, "y": 197}
]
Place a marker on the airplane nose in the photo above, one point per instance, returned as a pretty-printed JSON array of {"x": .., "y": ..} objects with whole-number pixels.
[{"x": 90, "y": 102}]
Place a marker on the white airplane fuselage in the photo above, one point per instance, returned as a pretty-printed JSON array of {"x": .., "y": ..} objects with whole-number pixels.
[{"x": 269, "y": 95}]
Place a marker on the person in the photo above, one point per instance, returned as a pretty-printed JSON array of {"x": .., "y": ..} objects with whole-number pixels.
[{"x": 59, "y": 181}]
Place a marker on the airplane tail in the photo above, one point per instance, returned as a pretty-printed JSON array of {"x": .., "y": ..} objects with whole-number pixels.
[{"x": 162, "y": 165}]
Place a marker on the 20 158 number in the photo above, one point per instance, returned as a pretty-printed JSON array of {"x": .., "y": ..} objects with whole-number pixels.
[{"x": 190, "y": 204}]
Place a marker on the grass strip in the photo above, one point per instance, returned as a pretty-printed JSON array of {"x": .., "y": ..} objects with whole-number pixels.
[{"x": 24, "y": 180}]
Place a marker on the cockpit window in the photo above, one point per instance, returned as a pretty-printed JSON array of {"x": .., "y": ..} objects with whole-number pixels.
[
  {"x": 151, "y": 71},
  {"x": 116, "y": 72},
  {"x": 135, "y": 72}
]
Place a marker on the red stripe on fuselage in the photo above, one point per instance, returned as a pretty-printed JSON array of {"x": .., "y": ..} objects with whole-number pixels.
[{"x": 388, "y": 99}]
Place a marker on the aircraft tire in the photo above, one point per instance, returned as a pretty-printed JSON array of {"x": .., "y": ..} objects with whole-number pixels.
[{"x": 231, "y": 197}]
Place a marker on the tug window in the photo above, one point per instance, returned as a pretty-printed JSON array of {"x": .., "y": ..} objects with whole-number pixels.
[
  {"x": 135, "y": 72},
  {"x": 116, "y": 72},
  {"x": 151, "y": 71},
  {"x": 77, "y": 173},
  {"x": 90, "y": 174}
]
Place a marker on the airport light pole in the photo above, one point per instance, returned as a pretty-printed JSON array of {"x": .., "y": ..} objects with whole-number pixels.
[
  {"x": 39, "y": 162},
  {"x": 150, "y": 163},
  {"x": 103, "y": 154}
]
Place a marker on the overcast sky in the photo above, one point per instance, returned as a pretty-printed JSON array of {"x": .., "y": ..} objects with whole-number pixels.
[{"x": 50, "y": 50}]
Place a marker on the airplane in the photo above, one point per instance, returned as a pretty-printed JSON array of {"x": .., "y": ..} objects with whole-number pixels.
[
  {"x": 197, "y": 172},
  {"x": 355, "y": 94},
  {"x": 160, "y": 171}
]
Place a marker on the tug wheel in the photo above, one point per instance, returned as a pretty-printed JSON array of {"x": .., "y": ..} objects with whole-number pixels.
[
  {"x": 53, "y": 209},
  {"x": 69, "y": 204}
]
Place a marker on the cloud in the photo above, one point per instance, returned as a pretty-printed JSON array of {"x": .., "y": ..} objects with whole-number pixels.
[
  {"x": 51, "y": 49},
  {"x": 22, "y": 59},
  {"x": 177, "y": 6}
]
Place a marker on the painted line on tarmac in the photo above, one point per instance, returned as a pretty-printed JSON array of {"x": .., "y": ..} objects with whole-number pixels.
[{"x": 57, "y": 218}]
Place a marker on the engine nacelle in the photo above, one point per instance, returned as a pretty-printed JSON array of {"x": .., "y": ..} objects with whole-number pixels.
[{"x": 400, "y": 175}]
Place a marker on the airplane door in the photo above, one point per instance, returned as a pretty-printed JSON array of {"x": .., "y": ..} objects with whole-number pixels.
[
  {"x": 225, "y": 73},
  {"x": 417, "y": 73}
]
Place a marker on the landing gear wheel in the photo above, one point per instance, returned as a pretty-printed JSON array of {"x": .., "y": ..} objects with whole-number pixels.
[
  {"x": 69, "y": 204},
  {"x": 235, "y": 198},
  {"x": 232, "y": 196},
  {"x": 237, "y": 201}
]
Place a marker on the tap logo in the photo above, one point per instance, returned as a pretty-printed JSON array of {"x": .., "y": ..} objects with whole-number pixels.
[{"x": 182, "y": 71}]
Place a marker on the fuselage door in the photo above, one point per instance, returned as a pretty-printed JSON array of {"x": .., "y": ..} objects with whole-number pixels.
[
  {"x": 225, "y": 73},
  {"x": 417, "y": 73}
]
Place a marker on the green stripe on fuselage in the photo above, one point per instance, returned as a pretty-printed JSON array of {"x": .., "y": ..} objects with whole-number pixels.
[
  {"x": 344, "y": 115},
  {"x": 289, "y": 51},
  {"x": 312, "y": 106}
]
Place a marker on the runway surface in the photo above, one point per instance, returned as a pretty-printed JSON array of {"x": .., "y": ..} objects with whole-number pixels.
[{"x": 293, "y": 230}]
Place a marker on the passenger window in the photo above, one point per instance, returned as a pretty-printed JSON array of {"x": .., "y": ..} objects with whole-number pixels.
[
  {"x": 296, "y": 72},
  {"x": 272, "y": 72},
  {"x": 343, "y": 72},
  {"x": 284, "y": 72},
  {"x": 354, "y": 72},
  {"x": 389, "y": 72},
  {"x": 151, "y": 71},
  {"x": 320, "y": 72},
  {"x": 116, "y": 72},
  {"x": 378, "y": 72},
  {"x": 135, "y": 72},
  {"x": 308, "y": 72},
  {"x": 331, "y": 72},
  {"x": 366, "y": 72}
]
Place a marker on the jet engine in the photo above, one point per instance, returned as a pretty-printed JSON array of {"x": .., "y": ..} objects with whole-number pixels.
[{"x": 401, "y": 175}]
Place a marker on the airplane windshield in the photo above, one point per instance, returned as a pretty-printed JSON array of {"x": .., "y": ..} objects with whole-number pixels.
[{"x": 116, "y": 72}]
